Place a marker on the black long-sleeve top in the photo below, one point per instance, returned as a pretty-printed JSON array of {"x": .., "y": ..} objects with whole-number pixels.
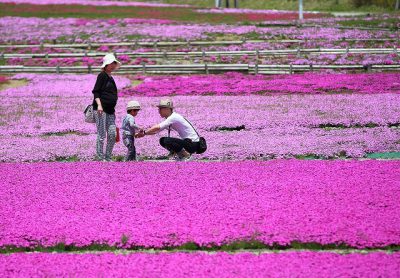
[{"x": 106, "y": 90}]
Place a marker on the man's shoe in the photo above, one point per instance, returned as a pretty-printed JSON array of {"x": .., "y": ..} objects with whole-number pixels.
[{"x": 171, "y": 155}]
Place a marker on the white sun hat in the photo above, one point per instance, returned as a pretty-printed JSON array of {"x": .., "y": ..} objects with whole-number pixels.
[
  {"x": 109, "y": 59},
  {"x": 133, "y": 105}
]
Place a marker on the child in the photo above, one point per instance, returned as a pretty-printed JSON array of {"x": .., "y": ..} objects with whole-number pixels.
[{"x": 129, "y": 128}]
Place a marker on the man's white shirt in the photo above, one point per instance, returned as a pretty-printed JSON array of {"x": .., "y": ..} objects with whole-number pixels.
[{"x": 180, "y": 125}]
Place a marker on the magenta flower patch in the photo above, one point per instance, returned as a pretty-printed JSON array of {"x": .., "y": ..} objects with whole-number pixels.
[
  {"x": 354, "y": 203},
  {"x": 239, "y": 84},
  {"x": 299, "y": 264}
]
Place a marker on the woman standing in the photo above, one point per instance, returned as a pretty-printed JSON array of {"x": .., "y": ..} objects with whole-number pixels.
[{"x": 104, "y": 102}]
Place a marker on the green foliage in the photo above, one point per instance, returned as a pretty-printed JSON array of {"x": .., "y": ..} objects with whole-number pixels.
[{"x": 385, "y": 155}]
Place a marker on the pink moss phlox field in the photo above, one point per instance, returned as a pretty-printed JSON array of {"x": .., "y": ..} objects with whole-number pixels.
[
  {"x": 92, "y": 3},
  {"x": 34, "y": 29},
  {"x": 240, "y": 11},
  {"x": 239, "y": 84},
  {"x": 51, "y": 85},
  {"x": 290, "y": 264},
  {"x": 276, "y": 125},
  {"x": 128, "y": 204}
]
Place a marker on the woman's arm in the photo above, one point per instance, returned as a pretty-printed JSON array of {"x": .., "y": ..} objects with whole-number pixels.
[
  {"x": 99, "y": 107},
  {"x": 97, "y": 91}
]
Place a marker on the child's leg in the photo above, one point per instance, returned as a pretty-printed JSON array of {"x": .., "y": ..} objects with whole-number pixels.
[
  {"x": 131, "y": 149},
  {"x": 132, "y": 153},
  {"x": 129, "y": 142}
]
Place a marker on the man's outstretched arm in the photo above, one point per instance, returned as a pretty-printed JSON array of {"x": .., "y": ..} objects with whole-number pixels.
[
  {"x": 152, "y": 130},
  {"x": 156, "y": 128}
]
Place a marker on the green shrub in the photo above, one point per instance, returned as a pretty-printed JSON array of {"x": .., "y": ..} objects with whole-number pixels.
[{"x": 379, "y": 3}]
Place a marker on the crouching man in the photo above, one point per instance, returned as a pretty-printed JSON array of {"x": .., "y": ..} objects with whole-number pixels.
[{"x": 182, "y": 147}]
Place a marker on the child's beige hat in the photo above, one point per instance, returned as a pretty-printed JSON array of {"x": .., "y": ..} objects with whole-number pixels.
[{"x": 133, "y": 105}]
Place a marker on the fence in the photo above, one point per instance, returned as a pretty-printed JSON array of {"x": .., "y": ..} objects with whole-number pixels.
[{"x": 201, "y": 68}]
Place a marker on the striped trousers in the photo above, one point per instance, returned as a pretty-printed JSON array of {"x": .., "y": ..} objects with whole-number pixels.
[{"x": 105, "y": 124}]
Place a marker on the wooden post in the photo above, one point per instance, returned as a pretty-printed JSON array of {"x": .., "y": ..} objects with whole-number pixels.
[{"x": 144, "y": 68}]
